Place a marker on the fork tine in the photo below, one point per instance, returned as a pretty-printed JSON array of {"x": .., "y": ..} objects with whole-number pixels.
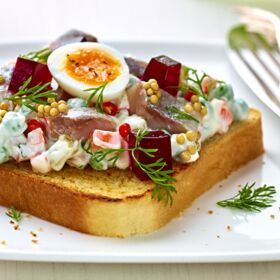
[
  {"x": 259, "y": 79},
  {"x": 272, "y": 75},
  {"x": 269, "y": 52}
]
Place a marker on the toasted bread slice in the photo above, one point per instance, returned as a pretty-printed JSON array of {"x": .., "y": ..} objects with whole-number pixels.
[{"x": 115, "y": 202}]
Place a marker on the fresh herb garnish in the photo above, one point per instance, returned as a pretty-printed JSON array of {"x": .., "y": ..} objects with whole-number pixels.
[
  {"x": 250, "y": 199},
  {"x": 164, "y": 182},
  {"x": 155, "y": 171},
  {"x": 34, "y": 95},
  {"x": 180, "y": 115},
  {"x": 193, "y": 81},
  {"x": 14, "y": 214},
  {"x": 39, "y": 56},
  {"x": 98, "y": 92}
]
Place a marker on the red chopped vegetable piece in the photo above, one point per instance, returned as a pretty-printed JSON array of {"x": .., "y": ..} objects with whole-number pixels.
[
  {"x": 153, "y": 140},
  {"x": 110, "y": 108},
  {"x": 32, "y": 125},
  {"x": 188, "y": 95},
  {"x": 124, "y": 130},
  {"x": 166, "y": 71},
  {"x": 26, "y": 68}
]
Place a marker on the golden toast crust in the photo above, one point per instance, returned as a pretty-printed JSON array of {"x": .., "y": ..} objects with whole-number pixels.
[{"x": 115, "y": 202}]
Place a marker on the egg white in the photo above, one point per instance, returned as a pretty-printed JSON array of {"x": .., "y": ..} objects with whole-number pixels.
[{"x": 113, "y": 90}]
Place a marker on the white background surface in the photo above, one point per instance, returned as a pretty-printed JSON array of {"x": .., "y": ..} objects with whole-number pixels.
[{"x": 176, "y": 20}]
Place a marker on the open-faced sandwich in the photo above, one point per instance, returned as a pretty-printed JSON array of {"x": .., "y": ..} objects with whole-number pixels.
[{"x": 113, "y": 146}]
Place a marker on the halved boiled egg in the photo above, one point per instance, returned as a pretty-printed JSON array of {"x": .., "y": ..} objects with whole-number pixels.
[{"x": 79, "y": 67}]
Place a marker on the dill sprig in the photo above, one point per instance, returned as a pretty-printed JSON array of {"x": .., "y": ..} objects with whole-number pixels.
[
  {"x": 39, "y": 56},
  {"x": 98, "y": 92},
  {"x": 14, "y": 214},
  {"x": 34, "y": 95},
  {"x": 110, "y": 154},
  {"x": 193, "y": 81},
  {"x": 155, "y": 171},
  {"x": 164, "y": 182},
  {"x": 251, "y": 199},
  {"x": 180, "y": 115}
]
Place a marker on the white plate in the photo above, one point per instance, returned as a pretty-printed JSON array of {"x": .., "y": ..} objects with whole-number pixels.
[{"x": 194, "y": 237}]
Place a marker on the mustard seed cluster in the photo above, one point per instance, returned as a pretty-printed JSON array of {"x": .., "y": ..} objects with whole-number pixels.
[
  {"x": 52, "y": 109},
  {"x": 152, "y": 90}
]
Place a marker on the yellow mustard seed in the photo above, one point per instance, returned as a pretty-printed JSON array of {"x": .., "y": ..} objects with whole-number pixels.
[
  {"x": 150, "y": 92},
  {"x": 203, "y": 111},
  {"x": 188, "y": 108},
  {"x": 194, "y": 99},
  {"x": 62, "y": 107},
  {"x": 51, "y": 100},
  {"x": 4, "y": 106},
  {"x": 146, "y": 86},
  {"x": 40, "y": 108},
  {"x": 158, "y": 93},
  {"x": 192, "y": 149},
  {"x": 54, "y": 104},
  {"x": 185, "y": 156},
  {"x": 54, "y": 112},
  {"x": 47, "y": 108},
  {"x": 2, "y": 113},
  {"x": 197, "y": 106},
  {"x": 2, "y": 80},
  {"x": 154, "y": 99},
  {"x": 154, "y": 86},
  {"x": 180, "y": 139},
  {"x": 152, "y": 81},
  {"x": 191, "y": 135}
]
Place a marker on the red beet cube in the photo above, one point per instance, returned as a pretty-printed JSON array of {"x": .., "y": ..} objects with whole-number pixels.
[
  {"x": 166, "y": 71},
  {"x": 26, "y": 68},
  {"x": 153, "y": 140}
]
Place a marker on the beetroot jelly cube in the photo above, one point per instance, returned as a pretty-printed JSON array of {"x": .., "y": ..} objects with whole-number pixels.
[
  {"x": 26, "y": 68},
  {"x": 155, "y": 70},
  {"x": 172, "y": 79},
  {"x": 154, "y": 140},
  {"x": 166, "y": 71}
]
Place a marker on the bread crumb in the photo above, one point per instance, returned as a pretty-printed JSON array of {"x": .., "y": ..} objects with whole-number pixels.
[
  {"x": 210, "y": 212},
  {"x": 218, "y": 236},
  {"x": 16, "y": 227},
  {"x": 228, "y": 227},
  {"x": 272, "y": 216},
  {"x": 34, "y": 241},
  {"x": 3, "y": 242},
  {"x": 33, "y": 234}
]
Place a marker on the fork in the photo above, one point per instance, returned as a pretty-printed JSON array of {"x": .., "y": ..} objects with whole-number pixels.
[{"x": 265, "y": 59}]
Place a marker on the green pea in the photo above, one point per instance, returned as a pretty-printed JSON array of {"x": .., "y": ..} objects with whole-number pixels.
[
  {"x": 76, "y": 103},
  {"x": 224, "y": 91},
  {"x": 239, "y": 109}
]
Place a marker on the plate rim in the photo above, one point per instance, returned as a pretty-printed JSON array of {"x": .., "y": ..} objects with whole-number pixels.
[{"x": 165, "y": 257}]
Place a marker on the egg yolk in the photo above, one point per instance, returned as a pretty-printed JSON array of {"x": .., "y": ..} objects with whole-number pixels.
[{"x": 93, "y": 67}]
